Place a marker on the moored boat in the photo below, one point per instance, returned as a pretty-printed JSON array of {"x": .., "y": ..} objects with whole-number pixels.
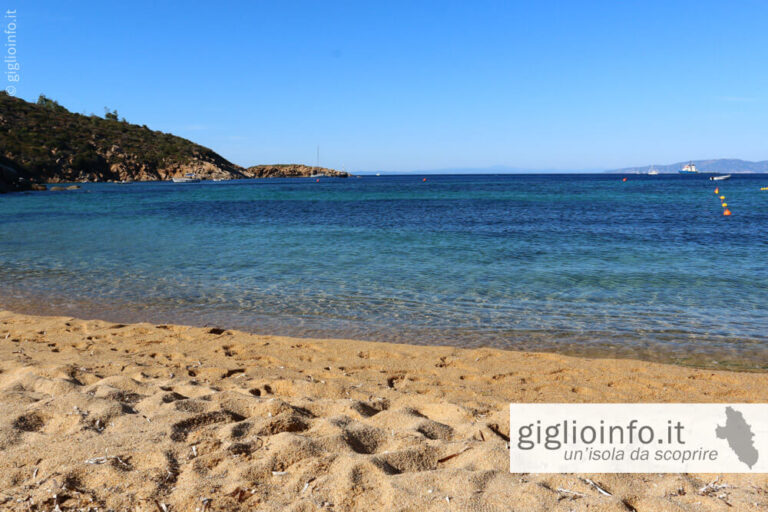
[
  {"x": 720, "y": 178},
  {"x": 187, "y": 178}
]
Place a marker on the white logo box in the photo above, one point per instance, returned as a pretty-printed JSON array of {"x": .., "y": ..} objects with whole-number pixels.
[{"x": 638, "y": 438}]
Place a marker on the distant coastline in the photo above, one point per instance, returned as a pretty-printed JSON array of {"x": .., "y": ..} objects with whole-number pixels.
[{"x": 719, "y": 165}]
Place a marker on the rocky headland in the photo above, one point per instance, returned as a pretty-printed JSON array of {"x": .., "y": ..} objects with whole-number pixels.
[
  {"x": 292, "y": 171},
  {"x": 43, "y": 142}
]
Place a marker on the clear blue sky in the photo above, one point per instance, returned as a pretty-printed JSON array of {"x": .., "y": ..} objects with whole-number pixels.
[{"x": 416, "y": 85}]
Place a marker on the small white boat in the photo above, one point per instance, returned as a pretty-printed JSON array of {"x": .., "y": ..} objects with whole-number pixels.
[
  {"x": 187, "y": 178},
  {"x": 720, "y": 178},
  {"x": 652, "y": 171}
]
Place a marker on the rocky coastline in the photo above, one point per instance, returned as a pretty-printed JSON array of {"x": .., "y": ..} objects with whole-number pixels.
[{"x": 45, "y": 143}]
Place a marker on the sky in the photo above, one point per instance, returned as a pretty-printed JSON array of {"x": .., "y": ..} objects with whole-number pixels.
[{"x": 415, "y": 85}]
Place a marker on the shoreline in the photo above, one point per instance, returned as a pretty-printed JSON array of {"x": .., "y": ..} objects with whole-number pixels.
[
  {"x": 134, "y": 416},
  {"x": 569, "y": 344}
]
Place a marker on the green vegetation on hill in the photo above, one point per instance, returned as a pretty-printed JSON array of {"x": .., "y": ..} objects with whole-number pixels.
[
  {"x": 44, "y": 142},
  {"x": 53, "y": 144}
]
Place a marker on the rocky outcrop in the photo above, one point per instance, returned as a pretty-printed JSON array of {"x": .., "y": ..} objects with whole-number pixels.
[
  {"x": 119, "y": 165},
  {"x": 292, "y": 171}
]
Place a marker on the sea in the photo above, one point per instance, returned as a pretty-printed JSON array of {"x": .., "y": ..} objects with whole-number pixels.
[{"x": 580, "y": 264}]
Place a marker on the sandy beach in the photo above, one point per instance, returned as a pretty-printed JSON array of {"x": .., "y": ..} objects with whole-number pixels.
[{"x": 105, "y": 416}]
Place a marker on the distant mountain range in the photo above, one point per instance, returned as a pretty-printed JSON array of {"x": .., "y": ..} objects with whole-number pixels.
[
  {"x": 720, "y": 165},
  {"x": 494, "y": 169}
]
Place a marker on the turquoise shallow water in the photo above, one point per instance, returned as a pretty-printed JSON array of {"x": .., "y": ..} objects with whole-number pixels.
[{"x": 583, "y": 264}]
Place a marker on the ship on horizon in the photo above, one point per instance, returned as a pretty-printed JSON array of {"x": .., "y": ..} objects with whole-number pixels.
[{"x": 689, "y": 168}]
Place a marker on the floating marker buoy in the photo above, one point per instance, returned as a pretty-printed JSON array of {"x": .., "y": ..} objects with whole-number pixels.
[
  {"x": 727, "y": 212},
  {"x": 425, "y": 179},
  {"x": 317, "y": 180},
  {"x": 722, "y": 198},
  {"x": 725, "y": 204},
  {"x": 623, "y": 179},
  {"x": 717, "y": 190}
]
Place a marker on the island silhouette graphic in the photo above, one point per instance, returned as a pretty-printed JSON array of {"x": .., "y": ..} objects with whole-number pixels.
[{"x": 739, "y": 435}]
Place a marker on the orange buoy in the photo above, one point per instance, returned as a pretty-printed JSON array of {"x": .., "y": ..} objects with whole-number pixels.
[
  {"x": 623, "y": 179},
  {"x": 425, "y": 179},
  {"x": 318, "y": 180},
  {"x": 717, "y": 190},
  {"x": 727, "y": 212}
]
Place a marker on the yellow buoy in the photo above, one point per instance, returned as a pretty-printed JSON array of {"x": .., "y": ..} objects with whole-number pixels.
[
  {"x": 717, "y": 190},
  {"x": 722, "y": 198},
  {"x": 725, "y": 204}
]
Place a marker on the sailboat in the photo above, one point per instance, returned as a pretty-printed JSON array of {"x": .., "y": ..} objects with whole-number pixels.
[{"x": 652, "y": 171}]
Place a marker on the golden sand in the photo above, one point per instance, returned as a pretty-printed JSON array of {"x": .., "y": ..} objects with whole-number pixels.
[{"x": 105, "y": 416}]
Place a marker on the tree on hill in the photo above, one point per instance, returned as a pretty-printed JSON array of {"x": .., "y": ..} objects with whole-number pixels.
[
  {"x": 110, "y": 114},
  {"x": 48, "y": 103}
]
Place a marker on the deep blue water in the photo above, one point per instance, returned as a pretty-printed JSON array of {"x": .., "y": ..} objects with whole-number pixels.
[{"x": 582, "y": 264}]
